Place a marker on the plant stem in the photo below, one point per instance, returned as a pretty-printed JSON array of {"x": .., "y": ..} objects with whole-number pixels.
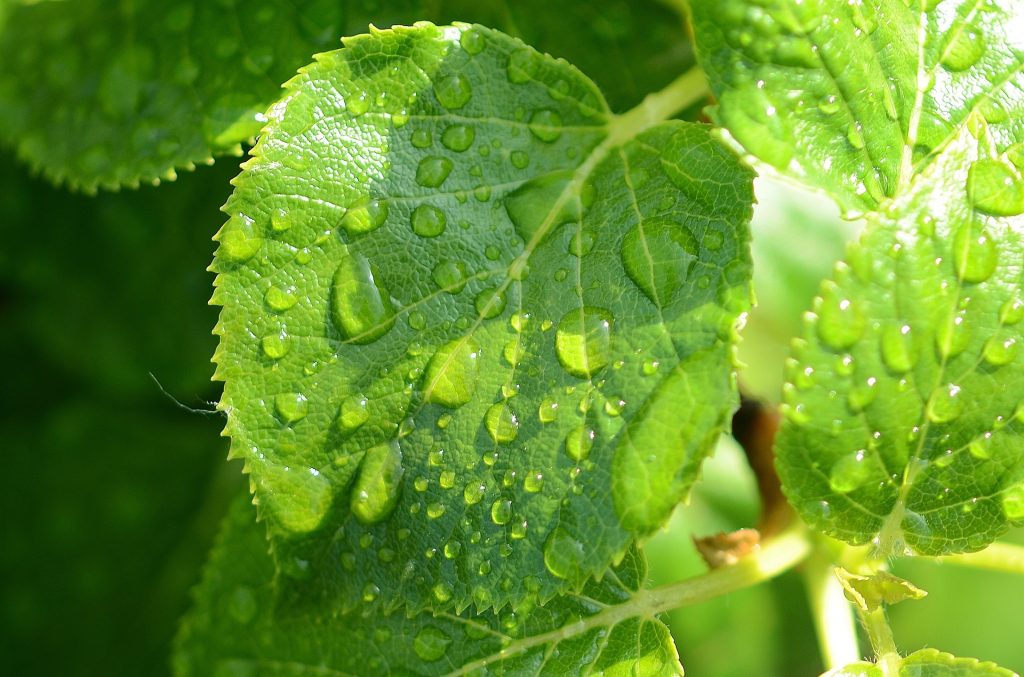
[
  {"x": 880, "y": 634},
  {"x": 677, "y": 96},
  {"x": 996, "y": 557},
  {"x": 833, "y": 615}
]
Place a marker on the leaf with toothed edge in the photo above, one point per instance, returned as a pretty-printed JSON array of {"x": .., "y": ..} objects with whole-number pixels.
[
  {"x": 189, "y": 80},
  {"x": 904, "y": 417},
  {"x": 927, "y": 663},
  {"x": 855, "y": 98},
  {"x": 461, "y": 302},
  {"x": 237, "y": 626}
]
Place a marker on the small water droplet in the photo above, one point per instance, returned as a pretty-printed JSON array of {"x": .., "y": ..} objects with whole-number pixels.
[
  {"x": 472, "y": 41},
  {"x": 1013, "y": 502},
  {"x": 433, "y": 170},
  {"x": 658, "y": 256},
  {"x": 452, "y": 549},
  {"x": 962, "y": 49},
  {"x": 546, "y": 125},
  {"x": 352, "y": 413},
  {"x": 945, "y": 404},
  {"x": 458, "y": 137},
  {"x": 431, "y": 644},
  {"x": 428, "y": 221},
  {"x": 501, "y": 423},
  {"x": 563, "y": 554},
  {"x": 375, "y": 492},
  {"x": 451, "y": 375},
  {"x": 1012, "y": 311},
  {"x": 453, "y": 91},
  {"x": 1000, "y": 351},
  {"x": 490, "y": 303},
  {"x": 280, "y": 300},
  {"x": 951, "y": 337},
  {"x": 519, "y": 159},
  {"x": 365, "y": 216},
  {"x": 370, "y": 592},
  {"x": 840, "y": 321},
  {"x": 422, "y": 138},
  {"x": 275, "y": 346},
  {"x": 548, "y": 410},
  {"x": 583, "y": 340},
  {"x": 522, "y": 65},
  {"x": 533, "y": 482},
  {"x": 474, "y": 493},
  {"x": 291, "y": 407},
  {"x": 980, "y": 447},
  {"x": 897, "y": 348},
  {"x": 531, "y": 206},
  {"x": 435, "y": 510},
  {"x": 581, "y": 243},
  {"x": 360, "y": 307}
]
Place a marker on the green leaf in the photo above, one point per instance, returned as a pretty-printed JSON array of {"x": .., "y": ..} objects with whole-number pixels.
[
  {"x": 928, "y": 663},
  {"x": 238, "y": 627},
  {"x": 904, "y": 418},
  {"x": 856, "y": 97},
  {"x": 870, "y": 592},
  {"x": 448, "y": 261},
  {"x": 106, "y": 94}
]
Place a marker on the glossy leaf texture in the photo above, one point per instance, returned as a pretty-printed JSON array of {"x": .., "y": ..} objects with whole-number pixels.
[
  {"x": 904, "y": 413},
  {"x": 238, "y": 627},
  {"x": 928, "y": 663},
  {"x": 474, "y": 325},
  {"x": 190, "y": 80},
  {"x": 856, "y": 97}
]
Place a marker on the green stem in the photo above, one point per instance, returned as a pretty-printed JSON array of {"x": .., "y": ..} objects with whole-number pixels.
[
  {"x": 833, "y": 615},
  {"x": 677, "y": 96},
  {"x": 880, "y": 634},
  {"x": 996, "y": 557}
]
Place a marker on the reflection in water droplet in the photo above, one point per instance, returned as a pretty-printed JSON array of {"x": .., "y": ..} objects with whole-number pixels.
[
  {"x": 474, "y": 493},
  {"x": 451, "y": 376},
  {"x": 280, "y": 300},
  {"x": 563, "y": 554},
  {"x": 548, "y": 410},
  {"x": 360, "y": 307},
  {"x": 376, "y": 489},
  {"x": 490, "y": 303},
  {"x": 501, "y": 423},
  {"x": 501, "y": 511},
  {"x": 275, "y": 346},
  {"x": 1000, "y": 351},
  {"x": 533, "y": 482},
  {"x": 472, "y": 41},
  {"x": 583, "y": 340},
  {"x": 431, "y": 644}
]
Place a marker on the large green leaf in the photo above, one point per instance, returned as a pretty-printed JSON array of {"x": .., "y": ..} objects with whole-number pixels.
[
  {"x": 904, "y": 408},
  {"x": 474, "y": 325},
  {"x": 238, "y": 627},
  {"x": 928, "y": 663},
  {"x": 854, "y": 97},
  {"x": 95, "y": 93}
]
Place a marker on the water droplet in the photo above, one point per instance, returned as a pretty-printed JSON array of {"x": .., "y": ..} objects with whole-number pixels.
[
  {"x": 431, "y": 644},
  {"x": 453, "y": 91},
  {"x": 518, "y": 530},
  {"x": 1000, "y": 351},
  {"x": 417, "y": 321},
  {"x": 548, "y": 410},
  {"x": 897, "y": 348},
  {"x": 963, "y": 47},
  {"x": 980, "y": 447},
  {"x": 375, "y": 492},
  {"x": 501, "y": 511},
  {"x": 657, "y": 256},
  {"x": 239, "y": 240},
  {"x": 519, "y": 159},
  {"x": 422, "y": 138},
  {"x": 849, "y": 473},
  {"x": 531, "y": 206},
  {"x": 945, "y": 404},
  {"x": 1012, "y": 311},
  {"x": 490, "y": 303},
  {"x": 533, "y": 482},
  {"x": 360, "y": 307},
  {"x": 522, "y": 65},
  {"x": 432, "y": 171},
  {"x": 951, "y": 337},
  {"x": 1013, "y": 502},
  {"x": 563, "y": 554},
  {"x": 546, "y": 125},
  {"x": 291, "y": 407},
  {"x": 452, "y": 549},
  {"x": 458, "y": 137},
  {"x": 974, "y": 254},
  {"x": 995, "y": 188},
  {"x": 451, "y": 276},
  {"x": 451, "y": 376},
  {"x": 840, "y": 321},
  {"x": 447, "y": 479},
  {"x": 279, "y": 300},
  {"x": 501, "y": 422},
  {"x": 365, "y": 216},
  {"x": 370, "y": 592},
  {"x": 581, "y": 243},
  {"x": 583, "y": 340},
  {"x": 579, "y": 442},
  {"x": 472, "y": 41},
  {"x": 352, "y": 413},
  {"x": 428, "y": 221},
  {"x": 421, "y": 484},
  {"x": 275, "y": 346},
  {"x": 435, "y": 510},
  {"x": 474, "y": 493}
]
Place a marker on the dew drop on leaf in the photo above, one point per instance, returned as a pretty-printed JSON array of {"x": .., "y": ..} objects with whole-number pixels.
[
  {"x": 360, "y": 307},
  {"x": 995, "y": 188},
  {"x": 945, "y": 404},
  {"x": 974, "y": 255},
  {"x": 999, "y": 351},
  {"x": 451, "y": 375},
  {"x": 530, "y": 206},
  {"x": 501, "y": 423},
  {"x": 657, "y": 256},
  {"x": 501, "y": 511},
  {"x": 533, "y": 482},
  {"x": 238, "y": 240},
  {"x": 474, "y": 493},
  {"x": 583, "y": 340},
  {"x": 458, "y": 137},
  {"x": 275, "y": 346},
  {"x": 563, "y": 554},
  {"x": 951, "y": 337},
  {"x": 962, "y": 49},
  {"x": 291, "y": 407},
  {"x": 1012, "y": 311},
  {"x": 376, "y": 489},
  {"x": 547, "y": 412},
  {"x": 365, "y": 216},
  {"x": 433, "y": 170},
  {"x": 546, "y": 125},
  {"x": 1013, "y": 502},
  {"x": 897, "y": 348},
  {"x": 849, "y": 473},
  {"x": 450, "y": 275},
  {"x": 352, "y": 413},
  {"x": 453, "y": 91},
  {"x": 490, "y": 303},
  {"x": 579, "y": 442},
  {"x": 280, "y": 300},
  {"x": 840, "y": 321},
  {"x": 522, "y": 66}
]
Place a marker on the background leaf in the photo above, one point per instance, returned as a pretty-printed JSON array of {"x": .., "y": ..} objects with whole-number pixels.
[
  {"x": 95, "y": 94},
  {"x": 855, "y": 98},
  {"x": 428, "y": 261},
  {"x": 904, "y": 422},
  {"x": 929, "y": 663},
  {"x": 237, "y": 626}
]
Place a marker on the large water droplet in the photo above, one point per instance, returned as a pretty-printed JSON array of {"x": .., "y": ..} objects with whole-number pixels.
[
  {"x": 974, "y": 254},
  {"x": 522, "y": 65},
  {"x": 472, "y": 41},
  {"x": 279, "y": 300},
  {"x": 365, "y": 216},
  {"x": 1000, "y": 350},
  {"x": 275, "y": 346},
  {"x": 530, "y": 206},
  {"x": 548, "y": 410},
  {"x": 453, "y": 91},
  {"x": 1012, "y": 311},
  {"x": 431, "y": 644},
  {"x": 428, "y": 221},
  {"x": 563, "y": 554},
  {"x": 451, "y": 276},
  {"x": 849, "y": 473},
  {"x": 360, "y": 306},
  {"x": 352, "y": 413},
  {"x": 945, "y": 404},
  {"x": 579, "y": 442},
  {"x": 375, "y": 492},
  {"x": 840, "y": 321},
  {"x": 433, "y": 170},
  {"x": 239, "y": 240},
  {"x": 490, "y": 303},
  {"x": 452, "y": 373},
  {"x": 657, "y": 256},
  {"x": 458, "y": 137},
  {"x": 963, "y": 47},
  {"x": 501, "y": 511},
  {"x": 291, "y": 407},
  {"x": 546, "y": 125},
  {"x": 1013, "y": 502},
  {"x": 994, "y": 187},
  {"x": 951, "y": 337},
  {"x": 897, "y": 348},
  {"x": 474, "y": 493},
  {"x": 583, "y": 340},
  {"x": 501, "y": 423}
]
